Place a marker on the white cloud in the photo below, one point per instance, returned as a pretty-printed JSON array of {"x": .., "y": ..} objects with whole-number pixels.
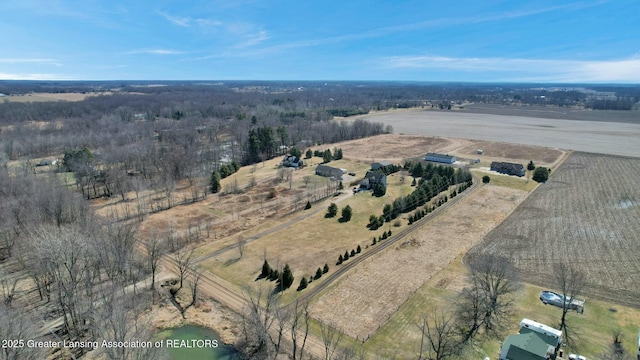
[
  {"x": 35, "y": 76},
  {"x": 29, "y": 61},
  {"x": 175, "y": 20},
  {"x": 627, "y": 70},
  {"x": 156, "y": 52}
]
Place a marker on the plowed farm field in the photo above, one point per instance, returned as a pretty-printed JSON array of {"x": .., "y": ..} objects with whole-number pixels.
[{"x": 587, "y": 214}]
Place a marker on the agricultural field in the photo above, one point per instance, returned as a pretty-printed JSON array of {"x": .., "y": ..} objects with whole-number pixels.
[
  {"x": 586, "y": 215},
  {"x": 43, "y": 96},
  {"x": 589, "y": 136}
]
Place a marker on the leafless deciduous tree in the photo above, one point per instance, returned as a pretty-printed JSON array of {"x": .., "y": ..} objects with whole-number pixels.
[
  {"x": 331, "y": 338},
  {"x": 118, "y": 321},
  {"x": 16, "y": 325},
  {"x": 258, "y": 320},
  {"x": 570, "y": 282},
  {"x": 299, "y": 329},
  {"x": 154, "y": 249},
  {"x": 488, "y": 302},
  {"x": 440, "y": 338}
]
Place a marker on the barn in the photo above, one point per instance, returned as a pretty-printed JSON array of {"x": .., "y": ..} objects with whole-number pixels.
[{"x": 440, "y": 158}]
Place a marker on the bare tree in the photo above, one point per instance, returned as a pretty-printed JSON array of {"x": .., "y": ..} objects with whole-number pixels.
[
  {"x": 240, "y": 244},
  {"x": 16, "y": 326},
  {"x": 440, "y": 337},
  {"x": 183, "y": 261},
  {"x": 154, "y": 248},
  {"x": 300, "y": 315},
  {"x": 118, "y": 321},
  {"x": 331, "y": 338},
  {"x": 488, "y": 303},
  {"x": 258, "y": 319},
  {"x": 181, "y": 305},
  {"x": 570, "y": 282}
]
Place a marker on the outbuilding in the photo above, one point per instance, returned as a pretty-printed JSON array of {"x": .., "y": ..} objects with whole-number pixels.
[{"x": 440, "y": 158}]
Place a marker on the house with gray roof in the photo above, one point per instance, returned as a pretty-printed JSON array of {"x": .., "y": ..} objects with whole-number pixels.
[
  {"x": 372, "y": 178},
  {"x": 328, "y": 171}
]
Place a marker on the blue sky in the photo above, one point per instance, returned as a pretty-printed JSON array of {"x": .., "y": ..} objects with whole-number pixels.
[{"x": 472, "y": 41}]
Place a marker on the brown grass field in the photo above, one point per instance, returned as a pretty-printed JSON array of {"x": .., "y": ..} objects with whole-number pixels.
[
  {"x": 587, "y": 215},
  {"x": 367, "y": 297},
  {"x": 40, "y": 97}
]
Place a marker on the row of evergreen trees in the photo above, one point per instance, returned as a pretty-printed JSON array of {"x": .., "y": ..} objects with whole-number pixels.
[
  {"x": 319, "y": 272},
  {"x": 283, "y": 279},
  {"x": 326, "y": 155},
  {"x": 225, "y": 171},
  {"x": 433, "y": 182}
]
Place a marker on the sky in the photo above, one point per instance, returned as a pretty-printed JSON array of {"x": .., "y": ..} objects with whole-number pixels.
[{"x": 422, "y": 40}]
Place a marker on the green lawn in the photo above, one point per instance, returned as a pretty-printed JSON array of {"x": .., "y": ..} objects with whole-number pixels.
[{"x": 594, "y": 327}]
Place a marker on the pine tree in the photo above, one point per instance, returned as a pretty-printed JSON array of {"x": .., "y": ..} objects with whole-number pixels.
[
  {"x": 325, "y": 269},
  {"x": 215, "y": 182},
  {"x": 318, "y": 274},
  {"x": 358, "y": 249},
  {"x": 308, "y": 206},
  {"x": 346, "y": 256},
  {"x": 303, "y": 284},
  {"x": 266, "y": 269},
  {"x": 287, "y": 278},
  {"x": 353, "y": 253},
  {"x": 340, "y": 260}
]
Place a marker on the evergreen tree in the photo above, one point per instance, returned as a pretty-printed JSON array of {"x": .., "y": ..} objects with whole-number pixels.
[
  {"x": 318, "y": 274},
  {"x": 266, "y": 269},
  {"x": 340, "y": 260},
  {"x": 531, "y": 166},
  {"x": 346, "y": 256},
  {"x": 287, "y": 278},
  {"x": 353, "y": 253},
  {"x": 358, "y": 249},
  {"x": 325, "y": 269},
  {"x": 486, "y": 179},
  {"x": 332, "y": 210},
  {"x": 326, "y": 156},
  {"x": 215, "y": 182},
  {"x": 346, "y": 214},
  {"x": 303, "y": 284},
  {"x": 308, "y": 206},
  {"x": 308, "y": 154},
  {"x": 295, "y": 152},
  {"x": 379, "y": 189}
]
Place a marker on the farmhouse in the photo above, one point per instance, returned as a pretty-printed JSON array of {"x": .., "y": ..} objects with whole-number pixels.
[
  {"x": 508, "y": 168},
  {"x": 535, "y": 341},
  {"x": 441, "y": 158},
  {"x": 372, "y": 178},
  {"x": 292, "y": 161},
  {"x": 377, "y": 165},
  {"x": 328, "y": 171}
]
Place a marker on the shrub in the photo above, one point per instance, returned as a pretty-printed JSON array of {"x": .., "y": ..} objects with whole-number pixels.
[
  {"x": 308, "y": 206},
  {"x": 540, "y": 174},
  {"x": 531, "y": 166},
  {"x": 486, "y": 179}
]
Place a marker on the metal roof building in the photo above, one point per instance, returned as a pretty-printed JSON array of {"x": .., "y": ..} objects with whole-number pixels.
[{"x": 441, "y": 158}]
